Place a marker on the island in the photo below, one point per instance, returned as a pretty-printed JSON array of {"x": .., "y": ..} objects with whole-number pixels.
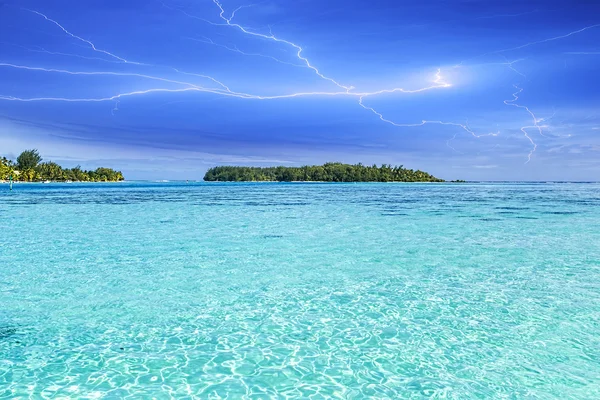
[
  {"x": 329, "y": 172},
  {"x": 29, "y": 167}
]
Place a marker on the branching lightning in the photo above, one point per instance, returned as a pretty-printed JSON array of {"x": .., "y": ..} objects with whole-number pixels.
[
  {"x": 40, "y": 49},
  {"x": 101, "y": 99},
  {"x": 92, "y": 45},
  {"x": 222, "y": 89},
  {"x": 449, "y": 146},
  {"x": 191, "y": 16},
  {"x": 536, "y": 121},
  {"x": 510, "y": 66},
  {"x": 62, "y": 71},
  {"x": 235, "y": 49},
  {"x": 545, "y": 40},
  {"x": 274, "y": 38},
  {"x": 439, "y": 83},
  {"x": 425, "y": 122}
]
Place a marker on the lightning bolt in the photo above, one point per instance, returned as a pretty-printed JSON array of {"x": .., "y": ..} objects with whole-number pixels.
[
  {"x": 439, "y": 83},
  {"x": 210, "y": 78},
  {"x": 235, "y": 49},
  {"x": 424, "y": 122},
  {"x": 274, "y": 38},
  {"x": 449, "y": 146},
  {"x": 116, "y": 108},
  {"x": 55, "y": 53},
  {"x": 512, "y": 102},
  {"x": 92, "y": 45},
  {"x": 529, "y": 44},
  {"x": 224, "y": 90},
  {"x": 62, "y": 71},
  {"x": 191, "y": 16},
  {"x": 546, "y": 40},
  {"x": 510, "y": 66},
  {"x": 101, "y": 99},
  {"x": 241, "y": 7},
  {"x": 270, "y": 37}
]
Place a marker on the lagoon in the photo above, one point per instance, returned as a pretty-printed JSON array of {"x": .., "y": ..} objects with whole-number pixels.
[{"x": 312, "y": 290}]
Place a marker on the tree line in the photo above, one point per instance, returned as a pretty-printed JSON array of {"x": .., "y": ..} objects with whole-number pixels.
[
  {"x": 29, "y": 167},
  {"x": 329, "y": 172}
]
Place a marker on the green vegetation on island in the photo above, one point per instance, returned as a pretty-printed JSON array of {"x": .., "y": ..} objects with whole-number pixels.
[
  {"x": 29, "y": 167},
  {"x": 329, "y": 172}
]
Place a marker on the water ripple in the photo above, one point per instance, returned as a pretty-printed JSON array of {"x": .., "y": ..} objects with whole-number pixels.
[{"x": 234, "y": 291}]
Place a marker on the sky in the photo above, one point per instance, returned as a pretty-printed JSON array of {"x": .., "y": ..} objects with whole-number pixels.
[{"x": 463, "y": 89}]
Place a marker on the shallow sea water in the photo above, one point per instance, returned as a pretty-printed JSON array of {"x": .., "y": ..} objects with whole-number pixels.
[{"x": 388, "y": 291}]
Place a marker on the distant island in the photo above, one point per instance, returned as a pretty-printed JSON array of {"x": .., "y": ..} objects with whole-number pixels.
[
  {"x": 30, "y": 168},
  {"x": 329, "y": 172}
]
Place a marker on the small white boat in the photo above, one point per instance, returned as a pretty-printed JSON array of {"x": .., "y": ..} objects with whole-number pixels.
[{"x": 47, "y": 182}]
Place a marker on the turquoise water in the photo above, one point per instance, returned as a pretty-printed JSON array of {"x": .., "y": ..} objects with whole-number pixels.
[{"x": 300, "y": 291}]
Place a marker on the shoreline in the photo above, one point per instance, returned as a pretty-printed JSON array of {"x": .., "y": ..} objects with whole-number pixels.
[{"x": 65, "y": 182}]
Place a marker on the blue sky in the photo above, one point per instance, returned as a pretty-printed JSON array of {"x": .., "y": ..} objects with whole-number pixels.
[{"x": 166, "y": 89}]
